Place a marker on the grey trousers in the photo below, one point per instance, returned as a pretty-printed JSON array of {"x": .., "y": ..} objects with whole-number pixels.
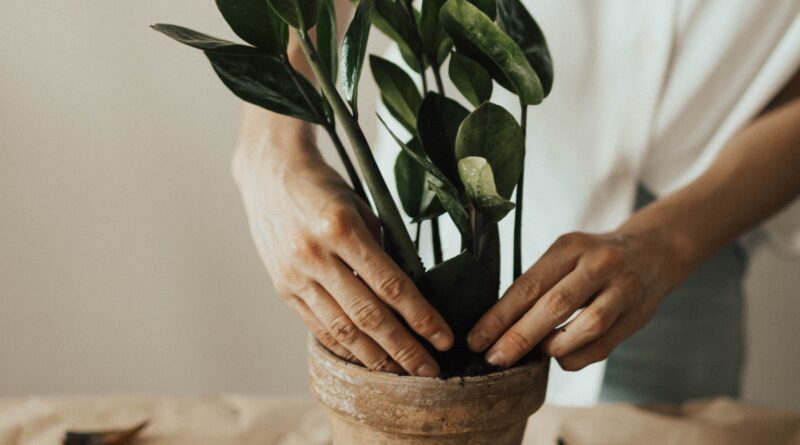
[{"x": 694, "y": 346}]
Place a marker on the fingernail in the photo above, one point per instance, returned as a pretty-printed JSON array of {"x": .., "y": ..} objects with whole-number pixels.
[
  {"x": 427, "y": 370},
  {"x": 477, "y": 341},
  {"x": 496, "y": 358},
  {"x": 442, "y": 341}
]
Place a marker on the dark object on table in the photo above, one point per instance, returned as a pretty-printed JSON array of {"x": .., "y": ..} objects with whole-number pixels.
[{"x": 116, "y": 437}]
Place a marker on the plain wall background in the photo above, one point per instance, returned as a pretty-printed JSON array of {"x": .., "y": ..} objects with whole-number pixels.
[{"x": 125, "y": 258}]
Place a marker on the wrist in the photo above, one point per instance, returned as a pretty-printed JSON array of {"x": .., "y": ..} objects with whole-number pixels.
[{"x": 668, "y": 251}]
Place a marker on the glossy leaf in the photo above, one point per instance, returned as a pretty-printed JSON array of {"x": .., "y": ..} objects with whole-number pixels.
[
  {"x": 266, "y": 81},
  {"x": 489, "y": 253},
  {"x": 328, "y": 38},
  {"x": 253, "y": 76},
  {"x": 461, "y": 290},
  {"x": 453, "y": 208},
  {"x": 412, "y": 183},
  {"x": 477, "y": 36},
  {"x": 398, "y": 91},
  {"x": 422, "y": 160},
  {"x": 202, "y": 41},
  {"x": 478, "y": 179},
  {"x": 392, "y": 19},
  {"x": 517, "y": 22},
  {"x": 471, "y": 79},
  {"x": 354, "y": 50},
  {"x": 438, "y": 122},
  {"x": 255, "y": 22},
  {"x": 435, "y": 41},
  {"x": 300, "y": 14},
  {"x": 492, "y": 133}
]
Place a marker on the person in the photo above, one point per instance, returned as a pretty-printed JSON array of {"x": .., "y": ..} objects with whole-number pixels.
[{"x": 672, "y": 131}]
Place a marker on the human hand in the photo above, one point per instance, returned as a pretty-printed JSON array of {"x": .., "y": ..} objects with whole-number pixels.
[
  {"x": 317, "y": 239},
  {"x": 618, "y": 278}
]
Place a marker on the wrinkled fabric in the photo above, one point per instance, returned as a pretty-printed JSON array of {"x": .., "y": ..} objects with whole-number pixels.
[{"x": 644, "y": 92}]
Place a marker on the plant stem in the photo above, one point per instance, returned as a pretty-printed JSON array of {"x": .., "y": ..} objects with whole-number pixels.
[
  {"x": 348, "y": 164},
  {"x": 520, "y": 195},
  {"x": 330, "y": 128},
  {"x": 437, "y": 240},
  {"x": 438, "y": 76},
  {"x": 401, "y": 244}
]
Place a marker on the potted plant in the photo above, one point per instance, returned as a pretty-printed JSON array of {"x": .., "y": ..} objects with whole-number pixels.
[{"x": 459, "y": 161}]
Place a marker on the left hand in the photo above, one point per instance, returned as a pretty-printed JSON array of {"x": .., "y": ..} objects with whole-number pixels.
[{"x": 618, "y": 278}]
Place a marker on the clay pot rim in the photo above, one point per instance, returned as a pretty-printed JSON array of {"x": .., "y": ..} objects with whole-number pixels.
[{"x": 406, "y": 380}]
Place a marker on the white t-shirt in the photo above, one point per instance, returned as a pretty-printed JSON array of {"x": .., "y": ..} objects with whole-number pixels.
[{"x": 645, "y": 91}]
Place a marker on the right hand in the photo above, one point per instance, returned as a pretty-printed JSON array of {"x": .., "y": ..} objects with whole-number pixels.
[{"x": 318, "y": 240}]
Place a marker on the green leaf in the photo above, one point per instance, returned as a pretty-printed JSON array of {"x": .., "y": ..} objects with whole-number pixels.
[
  {"x": 267, "y": 82},
  {"x": 412, "y": 183},
  {"x": 477, "y": 36},
  {"x": 517, "y": 22},
  {"x": 454, "y": 208},
  {"x": 422, "y": 160},
  {"x": 461, "y": 290},
  {"x": 253, "y": 76},
  {"x": 398, "y": 91},
  {"x": 328, "y": 39},
  {"x": 354, "y": 50},
  {"x": 478, "y": 179},
  {"x": 438, "y": 122},
  {"x": 203, "y": 41},
  {"x": 471, "y": 79},
  {"x": 300, "y": 14},
  {"x": 491, "y": 132},
  {"x": 256, "y": 23},
  {"x": 489, "y": 253},
  {"x": 435, "y": 41},
  {"x": 392, "y": 19}
]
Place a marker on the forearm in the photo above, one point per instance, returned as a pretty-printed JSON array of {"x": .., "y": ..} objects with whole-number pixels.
[{"x": 755, "y": 176}]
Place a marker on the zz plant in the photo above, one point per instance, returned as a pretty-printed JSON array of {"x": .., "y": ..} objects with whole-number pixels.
[{"x": 464, "y": 162}]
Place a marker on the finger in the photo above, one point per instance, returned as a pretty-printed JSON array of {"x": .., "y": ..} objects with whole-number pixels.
[
  {"x": 589, "y": 325},
  {"x": 318, "y": 329},
  {"x": 552, "y": 309},
  {"x": 601, "y": 348},
  {"x": 345, "y": 332},
  {"x": 554, "y": 265},
  {"x": 392, "y": 286},
  {"x": 372, "y": 222},
  {"x": 373, "y": 318}
]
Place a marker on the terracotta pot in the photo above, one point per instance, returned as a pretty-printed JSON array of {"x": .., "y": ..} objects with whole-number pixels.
[{"x": 376, "y": 408}]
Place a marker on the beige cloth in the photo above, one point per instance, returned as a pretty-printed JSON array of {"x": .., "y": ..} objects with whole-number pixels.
[{"x": 243, "y": 420}]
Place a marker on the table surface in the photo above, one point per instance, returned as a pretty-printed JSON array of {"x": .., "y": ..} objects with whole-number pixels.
[{"x": 249, "y": 420}]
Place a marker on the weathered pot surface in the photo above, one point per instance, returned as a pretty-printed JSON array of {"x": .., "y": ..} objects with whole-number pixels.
[{"x": 376, "y": 408}]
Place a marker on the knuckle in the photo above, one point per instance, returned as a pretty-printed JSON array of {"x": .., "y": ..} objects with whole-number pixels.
[
  {"x": 337, "y": 221},
  {"x": 518, "y": 343},
  {"x": 559, "y": 306},
  {"x": 528, "y": 288},
  {"x": 325, "y": 338},
  {"x": 495, "y": 321},
  {"x": 392, "y": 287},
  {"x": 407, "y": 354},
  {"x": 573, "y": 239},
  {"x": 368, "y": 316},
  {"x": 423, "y": 322},
  {"x": 597, "y": 322},
  {"x": 343, "y": 330},
  {"x": 381, "y": 364},
  {"x": 604, "y": 260},
  {"x": 305, "y": 248}
]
